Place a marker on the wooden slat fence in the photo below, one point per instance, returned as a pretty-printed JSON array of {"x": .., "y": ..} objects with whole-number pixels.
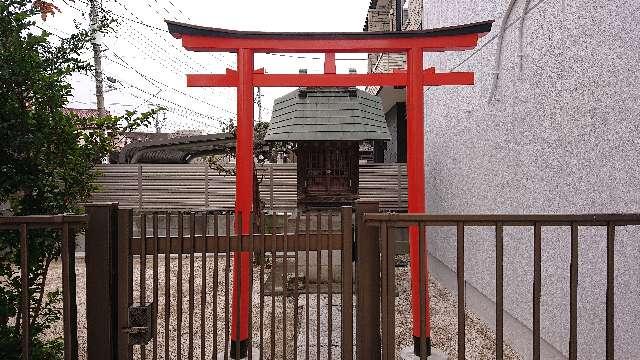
[{"x": 195, "y": 186}]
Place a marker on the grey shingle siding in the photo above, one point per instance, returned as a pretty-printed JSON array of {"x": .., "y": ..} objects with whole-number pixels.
[{"x": 327, "y": 114}]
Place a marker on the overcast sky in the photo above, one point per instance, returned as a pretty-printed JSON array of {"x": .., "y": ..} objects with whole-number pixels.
[{"x": 149, "y": 65}]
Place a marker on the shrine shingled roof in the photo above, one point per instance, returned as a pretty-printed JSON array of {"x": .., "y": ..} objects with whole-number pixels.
[{"x": 311, "y": 114}]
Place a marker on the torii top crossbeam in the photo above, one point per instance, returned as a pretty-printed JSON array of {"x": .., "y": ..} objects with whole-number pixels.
[{"x": 414, "y": 78}]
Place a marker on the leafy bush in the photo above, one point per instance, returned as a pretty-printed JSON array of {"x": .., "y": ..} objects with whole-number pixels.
[{"x": 46, "y": 160}]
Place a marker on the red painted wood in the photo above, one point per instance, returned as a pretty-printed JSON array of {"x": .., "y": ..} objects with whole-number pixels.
[
  {"x": 230, "y": 79},
  {"x": 246, "y": 78},
  {"x": 398, "y": 78},
  {"x": 330, "y": 63},
  {"x": 330, "y": 79},
  {"x": 431, "y": 78},
  {"x": 415, "y": 176},
  {"x": 244, "y": 195},
  {"x": 427, "y": 43}
]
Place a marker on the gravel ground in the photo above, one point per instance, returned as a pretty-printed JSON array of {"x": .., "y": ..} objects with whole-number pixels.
[{"x": 480, "y": 339}]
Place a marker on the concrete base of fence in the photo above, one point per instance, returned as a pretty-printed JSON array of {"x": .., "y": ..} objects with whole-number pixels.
[
  {"x": 407, "y": 354},
  {"x": 255, "y": 354}
]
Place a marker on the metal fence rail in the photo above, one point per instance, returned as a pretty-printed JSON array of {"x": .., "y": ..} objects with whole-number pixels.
[
  {"x": 202, "y": 244},
  {"x": 65, "y": 224},
  {"x": 387, "y": 221},
  {"x": 195, "y": 186}
]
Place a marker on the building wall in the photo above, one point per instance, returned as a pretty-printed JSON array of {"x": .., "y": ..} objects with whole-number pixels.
[
  {"x": 382, "y": 18},
  {"x": 562, "y": 136},
  {"x": 391, "y": 153}
]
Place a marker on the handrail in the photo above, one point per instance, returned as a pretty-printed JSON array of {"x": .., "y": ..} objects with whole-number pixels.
[
  {"x": 498, "y": 222},
  {"x": 403, "y": 220},
  {"x": 42, "y": 220}
]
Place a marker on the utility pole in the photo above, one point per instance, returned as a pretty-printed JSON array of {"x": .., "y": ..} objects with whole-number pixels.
[
  {"x": 259, "y": 103},
  {"x": 158, "y": 124},
  {"x": 97, "y": 59}
]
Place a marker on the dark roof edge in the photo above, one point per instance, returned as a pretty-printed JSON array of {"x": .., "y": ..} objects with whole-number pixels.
[{"x": 177, "y": 29}]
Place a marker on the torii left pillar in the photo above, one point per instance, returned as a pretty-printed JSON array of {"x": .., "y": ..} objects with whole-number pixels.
[{"x": 244, "y": 204}]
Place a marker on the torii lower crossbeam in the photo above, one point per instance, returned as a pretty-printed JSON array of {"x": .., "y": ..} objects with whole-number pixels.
[{"x": 245, "y": 44}]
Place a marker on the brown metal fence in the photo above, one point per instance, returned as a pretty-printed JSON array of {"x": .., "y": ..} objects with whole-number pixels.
[
  {"x": 174, "y": 270},
  {"x": 65, "y": 225},
  {"x": 460, "y": 222}
]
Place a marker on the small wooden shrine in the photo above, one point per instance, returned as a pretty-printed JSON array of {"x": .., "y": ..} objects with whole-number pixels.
[{"x": 327, "y": 126}]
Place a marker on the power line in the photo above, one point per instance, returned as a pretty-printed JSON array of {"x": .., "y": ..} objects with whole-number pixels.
[
  {"x": 179, "y": 111},
  {"x": 153, "y": 81},
  {"x": 169, "y": 101},
  {"x": 140, "y": 22}
]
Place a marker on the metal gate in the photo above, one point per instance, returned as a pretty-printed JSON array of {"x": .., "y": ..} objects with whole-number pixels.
[{"x": 175, "y": 289}]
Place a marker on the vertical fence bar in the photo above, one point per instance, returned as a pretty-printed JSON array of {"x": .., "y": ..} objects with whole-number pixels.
[
  {"x": 329, "y": 284},
  {"x": 130, "y": 276},
  {"x": 262, "y": 256},
  {"x": 461, "y": 303},
  {"x": 368, "y": 342},
  {"x": 284, "y": 285},
  {"x": 179, "y": 285},
  {"x": 274, "y": 238},
  {"x": 203, "y": 287},
  {"x": 384, "y": 295},
  {"x": 391, "y": 269},
  {"x": 318, "y": 281},
  {"x": 424, "y": 282},
  {"x": 124, "y": 280},
  {"x": 611, "y": 234},
  {"x": 537, "y": 270},
  {"x": 252, "y": 220},
  {"x": 214, "y": 310},
  {"x": 347, "y": 283},
  {"x": 143, "y": 270},
  {"x": 388, "y": 293},
  {"x": 296, "y": 287},
  {"x": 66, "y": 294},
  {"x": 24, "y": 284},
  {"x": 238, "y": 283},
  {"x": 227, "y": 220},
  {"x": 573, "y": 295},
  {"x": 192, "y": 236},
  {"x": 167, "y": 282},
  {"x": 499, "y": 292},
  {"x": 307, "y": 230},
  {"x": 155, "y": 281}
]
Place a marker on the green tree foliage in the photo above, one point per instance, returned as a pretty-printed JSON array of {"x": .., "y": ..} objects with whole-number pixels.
[
  {"x": 46, "y": 159},
  {"x": 262, "y": 153}
]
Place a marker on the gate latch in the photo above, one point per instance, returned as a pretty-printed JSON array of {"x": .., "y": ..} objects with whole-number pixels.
[{"x": 142, "y": 323}]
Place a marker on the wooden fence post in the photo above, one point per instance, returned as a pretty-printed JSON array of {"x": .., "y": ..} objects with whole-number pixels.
[
  {"x": 399, "y": 185},
  {"x": 368, "y": 343},
  {"x": 206, "y": 184},
  {"x": 101, "y": 277},
  {"x": 271, "y": 200},
  {"x": 140, "y": 186}
]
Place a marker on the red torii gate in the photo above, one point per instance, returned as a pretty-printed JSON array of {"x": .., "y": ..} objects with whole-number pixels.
[{"x": 245, "y": 78}]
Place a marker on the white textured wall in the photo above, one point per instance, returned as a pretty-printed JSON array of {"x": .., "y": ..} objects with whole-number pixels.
[{"x": 563, "y": 137}]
